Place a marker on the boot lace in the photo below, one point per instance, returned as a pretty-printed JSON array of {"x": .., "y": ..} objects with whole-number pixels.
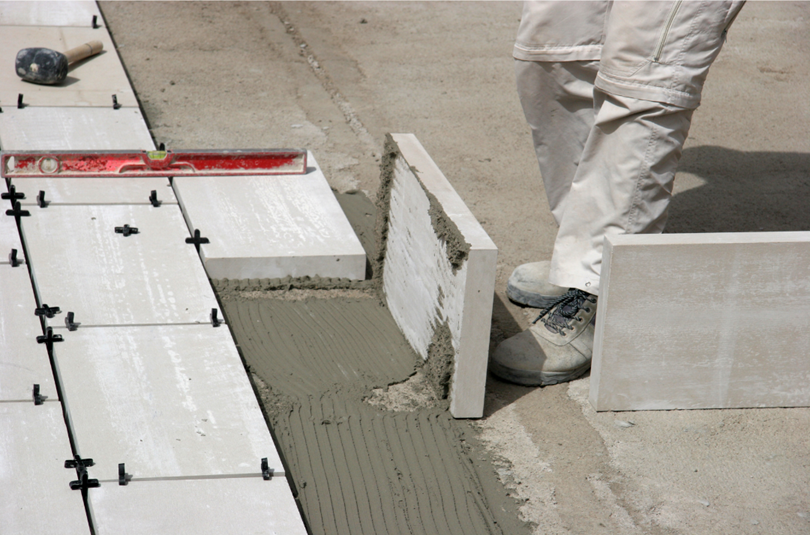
[{"x": 558, "y": 316}]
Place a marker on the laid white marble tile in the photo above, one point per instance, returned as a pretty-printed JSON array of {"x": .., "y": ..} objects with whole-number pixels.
[
  {"x": 428, "y": 281},
  {"x": 9, "y": 235},
  {"x": 698, "y": 321},
  {"x": 191, "y": 507},
  {"x": 23, "y": 362},
  {"x": 73, "y": 129},
  {"x": 95, "y": 190},
  {"x": 168, "y": 401},
  {"x": 90, "y": 82},
  {"x": 36, "y": 494},
  {"x": 49, "y": 13},
  {"x": 271, "y": 226},
  {"x": 81, "y": 264}
]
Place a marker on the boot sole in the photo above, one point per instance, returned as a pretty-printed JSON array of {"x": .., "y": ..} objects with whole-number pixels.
[
  {"x": 528, "y": 378},
  {"x": 528, "y": 299}
]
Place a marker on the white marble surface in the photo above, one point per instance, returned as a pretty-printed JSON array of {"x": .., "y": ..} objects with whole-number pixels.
[
  {"x": 9, "y": 235},
  {"x": 53, "y": 13},
  {"x": 95, "y": 190},
  {"x": 420, "y": 286},
  {"x": 73, "y": 129},
  {"x": 192, "y": 507},
  {"x": 35, "y": 494},
  {"x": 89, "y": 82},
  {"x": 696, "y": 321},
  {"x": 169, "y": 401},
  {"x": 272, "y": 226},
  {"x": 82, "y": 265},
  {"x": 23, "y": 362}
]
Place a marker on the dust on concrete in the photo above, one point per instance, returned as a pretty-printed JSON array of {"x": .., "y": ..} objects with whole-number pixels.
[{"x": 367, "y": 439}]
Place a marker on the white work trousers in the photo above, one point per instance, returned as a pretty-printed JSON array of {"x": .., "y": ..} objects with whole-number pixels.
[{"x": 608, "y": 89}]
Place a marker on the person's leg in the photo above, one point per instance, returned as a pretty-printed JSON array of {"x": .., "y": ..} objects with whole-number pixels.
[
  {"x": 556, "y": 51},
  {"x": 654, "y": 62},
  {"x": 622, "y": 186},
  {"x": 557, "y": 100}
]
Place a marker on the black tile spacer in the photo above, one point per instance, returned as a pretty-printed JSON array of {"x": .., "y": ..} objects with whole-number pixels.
[
  {"x": 12, "y": 194},
  {"x": 49, "y": 338},
  {"x": 116, "y": 105},
  {"x": 70, "y": 324},
  {"x": 267, "y": 472},
  {"x": 83, "y": 481},
  {"x": 162, "y": 147},
  {"x": 197, "y": 240},
  {"x": 39, "y": 399},
  {"x": 12, "y": 258},
  {"x": 47, "y": 311},
  {"x": 123, "y": 477},
  {"x": 126, "y": 230},
  {"x": 95, "y": 22},
  {"x": 41, "y": 200},
  {"x": 215, "y": 321},
  {"x": 20, "y": 104},
  {"x": 153, "y": 198},
  {"x": 17, "y": 211}
]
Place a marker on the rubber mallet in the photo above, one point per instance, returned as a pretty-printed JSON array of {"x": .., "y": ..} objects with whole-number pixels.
[{"x": 46, "y": 66}]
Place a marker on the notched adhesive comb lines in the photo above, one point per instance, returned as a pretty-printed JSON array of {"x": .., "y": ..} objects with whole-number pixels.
[
  {"x": 373, "y": 471},
  {"x": 358, "y": 468},
  {"x": 310, "y": 346}
]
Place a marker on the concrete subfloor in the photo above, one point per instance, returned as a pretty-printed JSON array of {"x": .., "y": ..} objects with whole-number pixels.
[{"x": 334, "y": 77}]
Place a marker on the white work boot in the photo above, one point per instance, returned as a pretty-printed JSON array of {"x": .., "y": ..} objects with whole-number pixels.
[
  {"x": 528, "y": 285},
  {"x": 558, "y": 347}
]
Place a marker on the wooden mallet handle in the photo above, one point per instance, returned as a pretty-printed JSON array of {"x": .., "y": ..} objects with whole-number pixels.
[{"x": 84, "y": 51}]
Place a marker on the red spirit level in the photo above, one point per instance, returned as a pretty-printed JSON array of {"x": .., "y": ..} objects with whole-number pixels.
[{"x": 133, "y": 164}]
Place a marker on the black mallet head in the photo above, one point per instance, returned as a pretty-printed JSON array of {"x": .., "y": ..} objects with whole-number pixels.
[
  {"x": 41, "y": 66},
  {"x": 46, "y": 66}
]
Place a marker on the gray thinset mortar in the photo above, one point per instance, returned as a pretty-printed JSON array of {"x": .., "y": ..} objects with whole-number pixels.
[
  {"x": 329, "y": 363},
  {"x": 357, "y": 467}
]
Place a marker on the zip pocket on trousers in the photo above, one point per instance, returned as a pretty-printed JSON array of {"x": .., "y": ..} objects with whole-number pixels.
[{"x": 660, "y": 48}]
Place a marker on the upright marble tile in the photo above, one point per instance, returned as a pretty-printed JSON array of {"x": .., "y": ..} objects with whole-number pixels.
[
  {"x": 36, "y": 494},
  {"x": 81, "y": 264},
  {"x": 191, "y": 507},
  {"x": 271, "y": 226},
  {"x": 439, "y": 271},
  {"x": 699, "y": 321},
  {"x": 168, "y": 401}
]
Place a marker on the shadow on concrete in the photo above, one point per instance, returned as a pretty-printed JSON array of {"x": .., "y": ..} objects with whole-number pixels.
[
  {"x": 744, "y": 192},
  {"x": 503, "y": 326}
]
